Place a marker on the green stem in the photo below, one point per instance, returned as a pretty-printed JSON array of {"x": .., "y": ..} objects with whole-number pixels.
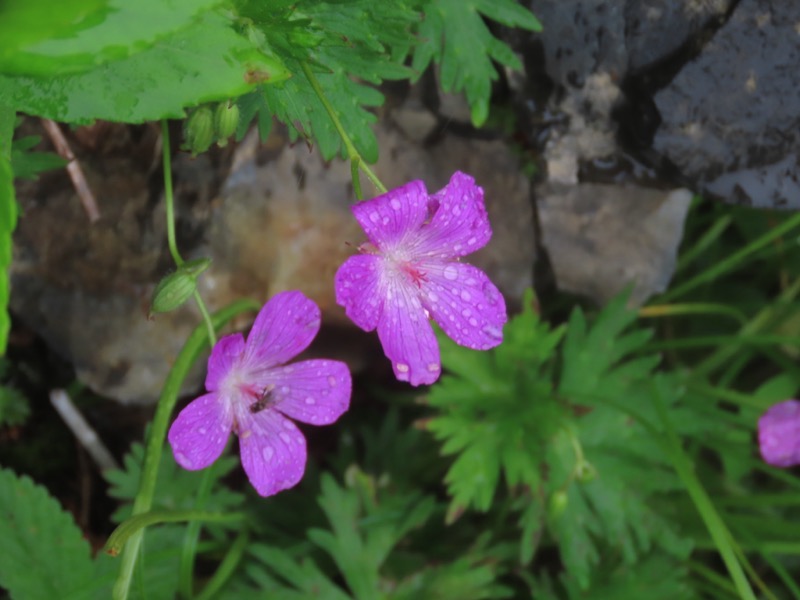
[
  {"x": 168, "y": 198},
  {"x": 133, "y": 525},
  {"x": 158, "y": 431},
  {"x": 705, "y": 507},
  {"x": 352, "y": 153},
  {"x": 212, "y": 336},
  {"x": 734, "y": 261},
  {"x": 225, "y": 569}
]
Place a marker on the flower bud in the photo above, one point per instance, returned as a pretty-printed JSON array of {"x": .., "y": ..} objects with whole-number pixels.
[
  {"x": 226, "y": 120},
  {"x": 199, "y": 131},
  {"x": 557, "y": 504},
  {"x": 779, "y": 434},
  {"x": 176, "y": 288}
]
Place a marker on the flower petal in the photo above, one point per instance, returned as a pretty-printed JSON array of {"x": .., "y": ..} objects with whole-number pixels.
[
  {"x": 465, "y": 304},
  {"x": 199, "y": 434},
  {"x": 391, "y": 217},
  {"x": 460, "y": 225},
  {"x": 284, "y": 327},
  {"x": 779, "y": 434},
  {"x": 407, "y": 337},
  {"x": 224, "y": 355},
  {"x": 273, "y": 452},
  {"x": 358, "y": 290},
  {"x": 312, "y": 391}
]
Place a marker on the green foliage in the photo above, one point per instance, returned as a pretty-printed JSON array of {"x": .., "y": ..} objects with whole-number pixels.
[
  {"x": 46, "y": 39},
  {"x": 454, "y": 35},
  {"x": 495, "y": 411},
  {"x": 176, "y": 488},
  {"x": 38, "y": 537},
  {"x": 14, "y": 407},
  {"x": 203, "y": 62},
  {"x": 26, "y": 164},
  {"x": 8, "y": 216},
  {"x": 340, "y": 40}
]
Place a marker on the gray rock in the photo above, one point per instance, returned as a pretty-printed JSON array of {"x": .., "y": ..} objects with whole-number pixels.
[
  {"x": 731, "y": 117},
  {"x": 601, "y": 238}
]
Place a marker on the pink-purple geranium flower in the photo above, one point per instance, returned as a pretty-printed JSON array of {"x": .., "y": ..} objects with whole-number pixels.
[
  {"x": 779, "y": 434},
  {"x": 409, "y": 272},
  {"x": 251, "y": 391}
]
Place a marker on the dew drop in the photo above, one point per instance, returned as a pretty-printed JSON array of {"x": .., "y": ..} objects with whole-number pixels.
[
  {"x": 267, "y": 452},
  {"x": 202, "y": 431},
  {"x": 183, "y": 460},
  {"x": 432, "y": 296},
  {"x": 285, "y": 389},
  {"x": 310, "y": 401},
  {"x": 385, "y": 221},
  {"x": 471, "y": 281},
  {"x": 473, "y": 321},
  {"x": 492, "y": 331},
  {"x": 457, "y": 247},
  {"x": 450, "y": 272},
  {"x": 466, "y": 312},
  {"x": 456, "y": 210},
  {"x": 395, "y": 204},
  {"x": 288, "y": 425},
  {"x": 285, "y": 437},
  {"x": 402, "y": 368},
  {"x": 332, "y": 380},
  {"x": 465, "y": 296},
  {"x": 471, "y": 241},
  {"x": 374, "y": 217},
  {"x": 433, "y": 368}
]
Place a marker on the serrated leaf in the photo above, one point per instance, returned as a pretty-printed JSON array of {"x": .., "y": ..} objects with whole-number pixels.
[
  {"x": 207, "y": 61},
  {"x": 495, "y": 411},
  {"x": 44, "y": 553},
  {"x": 454, "y": 36},
  {"x": 43, "y": 38}
]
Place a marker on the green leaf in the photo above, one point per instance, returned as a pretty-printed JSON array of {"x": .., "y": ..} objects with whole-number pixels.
[
  {"x": 27, "y": 165},
  {"x": 343, "y": 41},
  {"x": 44, "y": 38},
  {"x": 8, "y": 217},
  {"x": 496, "y": 411},
  {"x": 204, "y": 62},
  {"x": 14, "y": 407},
  {"x": 44, "y": 553},
  {"x": 455, "y": 37}
]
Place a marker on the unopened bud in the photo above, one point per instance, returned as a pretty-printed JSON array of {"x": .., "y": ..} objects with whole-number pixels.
[
  {"x": 226, "y": 120},
  {"x": 199, "y": 132},
  {"x": 176, "y": 288}
]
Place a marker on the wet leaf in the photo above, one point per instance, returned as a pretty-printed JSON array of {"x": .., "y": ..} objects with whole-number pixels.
[
  {"x": 206, "y": 62},
  {"x": 55, "y": 38}
]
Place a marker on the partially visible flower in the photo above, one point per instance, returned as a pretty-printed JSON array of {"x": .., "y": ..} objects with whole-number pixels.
[
  {"x": 251, "y": 392},
  {"x": 779, "y": 434},
  {"x": 409, "y": 272}
]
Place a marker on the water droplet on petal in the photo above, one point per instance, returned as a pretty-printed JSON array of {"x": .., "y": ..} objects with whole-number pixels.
[
  {"x": 332, "y": 380},
  {"x": 402, "y": 368},
  {"x": 450, "y": 272},
  {"x": 285, "y": 437},
  {"x": 285, "y": 389},
  {"x": 473, "y": 321},
  {"x": 267, "y": 452},
  {"x": 288, "y": 425},
  {"x": 385, "y": 220},
  {"x": 202, "y": 431},
  {"x": 374, "y": 217},
  {"x": 183, "y": 460},
  {"x": 471, "y": 241},
  {"x": 310, "y": 401},
  {"x": 457, "y": 247},
  {"x": 465, "y": 295},
  {"x": 395, "y": 204},
  {"x": 432, "y": 296},
  {"x": 466, "y": 312},
  {"x": 492, "y": 331},
  {"x": 433, "y": 368}
]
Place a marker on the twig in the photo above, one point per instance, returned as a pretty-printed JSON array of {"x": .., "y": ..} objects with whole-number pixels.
[
  {"x": 82, "y": 430},
  {"x": 74, "y": 169}
]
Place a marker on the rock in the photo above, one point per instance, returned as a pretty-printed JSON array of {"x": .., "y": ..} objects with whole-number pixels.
[
  {"x": 601, "y": 238},
  {"x": 730, "y": 118}
]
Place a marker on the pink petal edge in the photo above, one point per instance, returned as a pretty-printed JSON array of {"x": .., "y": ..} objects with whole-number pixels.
[
  {"x": 407, "y": 337},
  {"x": 465, "y": 303},
  {"x": 273, "y": 452},
  {"x": 357, "y": 288},
  {"x": 313, "y": 391},
  {"x": 199, "y": 434},
  {"x": 388, "y": 218},
  {"x": 284, "y": 327}
]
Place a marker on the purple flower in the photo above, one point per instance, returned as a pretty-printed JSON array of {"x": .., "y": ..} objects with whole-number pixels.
[
  {"x": 779, "y": 434},
  {"x": 408, "y": 272},
  {"x": 251, "y": 392}
]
